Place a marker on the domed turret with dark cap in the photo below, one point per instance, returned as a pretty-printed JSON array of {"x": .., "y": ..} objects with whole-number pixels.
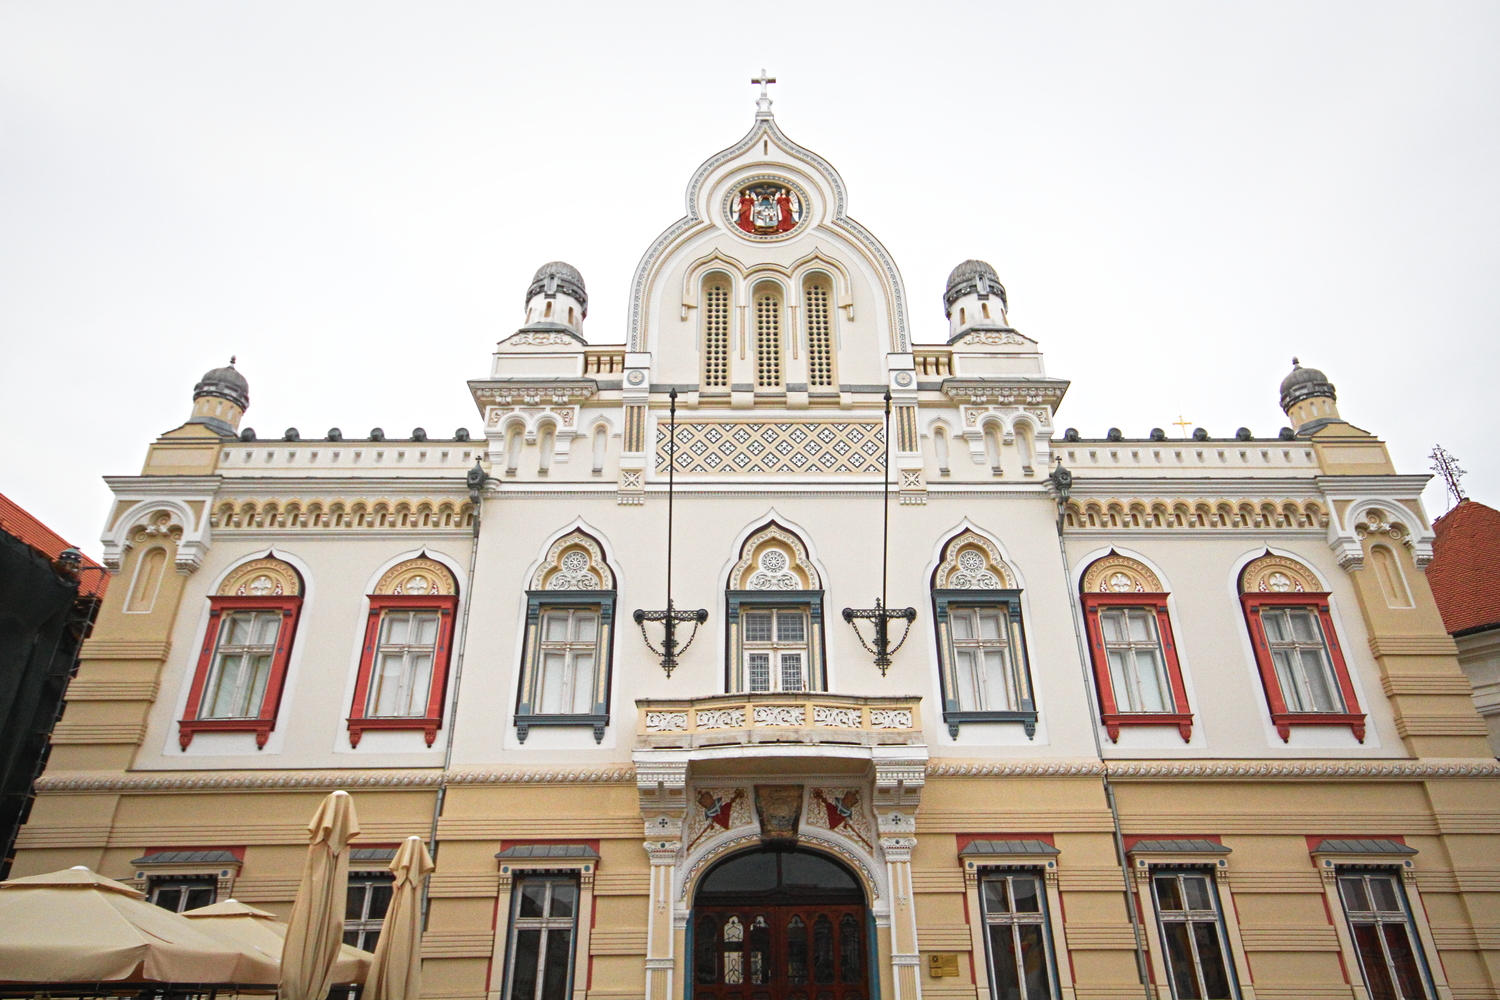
[
  {"x": 224, "y": 383},
  {"x": 972, "y": 277},
  {"x": 559, "y": 276},
  {"x": 1307, "y": 396},
  {"x": 220, "y": 398}
]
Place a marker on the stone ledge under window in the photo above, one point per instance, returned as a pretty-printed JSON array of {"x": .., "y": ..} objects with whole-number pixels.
[
  {"x": 1026, "y": 718},
  {"x": 525, "y": 722}
]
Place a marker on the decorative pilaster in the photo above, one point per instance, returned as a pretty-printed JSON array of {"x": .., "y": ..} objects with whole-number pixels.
[
  {"x": 662, "y": 787},
  {"x": 898, "y": 794}
]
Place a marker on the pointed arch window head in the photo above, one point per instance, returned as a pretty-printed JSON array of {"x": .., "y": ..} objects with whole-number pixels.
[
  {"x": 768, "y": 336},
  {"x": 403, "y": 668},
  {"x": 252, "y": 623},
  {"x": 775, "y": 616},
  {"x": 1297, "y": 650},
  {"x": 1134, "y": 652},
  {"x": 569, "y": 639},
  {"x": 716, "y": 331},
  {"x": 972, "y": 563}
]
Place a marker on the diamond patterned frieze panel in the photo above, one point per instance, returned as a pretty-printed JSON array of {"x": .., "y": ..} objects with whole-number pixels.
[{"x": 766, "y": 446}]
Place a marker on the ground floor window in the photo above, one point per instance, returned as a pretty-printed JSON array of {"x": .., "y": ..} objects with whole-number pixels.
[
  {"x": 1188, "y": 919},
  {"x": 544, "y": 916},
  {"x": 1389, "y": 954},
  {"x": 1015, "y": 917},
  {"x": 368, "y": 898},
  {"x": 183, "y": 892}
]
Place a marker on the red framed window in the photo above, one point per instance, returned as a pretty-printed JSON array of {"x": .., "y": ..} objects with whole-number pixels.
[
  {"x": 403, "y": 664},
  {"x": 1301, "y": 661},
  {"x": 242, "y": 666},
  {"x": 1136, "y": 670}
]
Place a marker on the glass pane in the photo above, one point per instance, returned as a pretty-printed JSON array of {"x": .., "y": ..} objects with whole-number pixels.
[
  {"x": 1034, "y": 962},
  {"x": 796, "y": 951},
  {"x": 427, "y": 629},
  {"x": 1355, "y": 899},
  {"x": 758, "y": 626},
  {"x": 237, "y": 629},
  {"x": 417, "y": 688},
  {"x": 354, "y": 903},
  {"x": 1119, "y": 677},
  {"x": 222, "y": 700},
  {"x": 1211, "y": 961},
  {"x": 1195, "y": 887},
  {"x": 968, "y": 693},
  {"x": 1003, "y": 954},
  {"x": 554, "y": 683},
  {"x": 706, "y": 951},
  {"x": 533, "y": 898},
  {"x": 760, "y": 671},
  {"x": 169, "y": 899},
  {"x": 1140, "y": 627},
  {"x": 810, "y": 872},
  {"x": 369, "y": 939},
  {"x": 1291, "y": 690},
  {"x": 1372, "y": 961},
  {"x": 995, "y": 897},
  {"x": 555, "y": 626},
  {"x": 823, "y": 950},
  {"x": 1152, "y": 685},
  {"x": 559, "y": 950},
  {"x": 1111, "y": 622},
  {"x": 760, "y": 952},
  {"x": 1180, "y": 961},
  {"x": 1304, "y": 627},
  {"x": 997, "y": 694},
  {"x": 583, "y": 683},
  {"x": 991, "y": 627},
  {"x": 1403, "y": 958},
  {"x": 523, "y": 965},
  {"x": 790, "y": 626},
  {"x": 586, "y": 627},
  {"x": 791, "y": 671},
  {"x": 266, "y": 626},
  {"x": 1168, "y": 897},
  {"x": 1024, "y": 891},
  {"x": 396, "y": 627},
  {"x": 851, "y": 962},
  {"x": 564, "y": 898},
  {"x": 351, "y": 938},
  {"x": 1383, "y": 891},
  {"x": 1319, "y": 684},
  {"x": 961, "y": 624},
  {"x": 380, "y": 900},
  {"x": 198, "y": 896},
  {"x": 1275, "y": 626}
]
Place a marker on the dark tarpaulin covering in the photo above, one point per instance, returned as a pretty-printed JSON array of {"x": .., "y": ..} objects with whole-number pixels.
[{"x": 43, "y": 621}]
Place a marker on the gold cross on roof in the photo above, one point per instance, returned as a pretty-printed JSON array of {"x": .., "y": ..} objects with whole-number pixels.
[{"x": 1184, "y": 424}]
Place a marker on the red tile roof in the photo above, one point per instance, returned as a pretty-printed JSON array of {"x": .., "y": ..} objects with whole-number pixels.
[
  {"x": 14, "y": 520},
  {"x": 1465, "y": 568}
]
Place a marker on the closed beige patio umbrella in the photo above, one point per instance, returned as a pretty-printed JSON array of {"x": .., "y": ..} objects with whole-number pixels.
[
  {"x": 396, "y": 973},
  {"x": 75, "y": 926},
  {"x": 237, "y": 923},
  {"x": 316, "y": 929}
]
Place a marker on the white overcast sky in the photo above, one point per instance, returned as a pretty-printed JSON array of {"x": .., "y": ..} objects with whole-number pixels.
[{"x": 352, "y": 197}]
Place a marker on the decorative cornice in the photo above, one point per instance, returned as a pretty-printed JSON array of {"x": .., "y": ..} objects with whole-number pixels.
[
  {"x": 1005, "y": 391},
  {"x": 213, "y": 781}
]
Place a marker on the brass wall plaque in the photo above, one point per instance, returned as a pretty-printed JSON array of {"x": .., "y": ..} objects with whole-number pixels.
[
  {"x": 942, "y": 964},
  {"x": 780, "y": 810}
]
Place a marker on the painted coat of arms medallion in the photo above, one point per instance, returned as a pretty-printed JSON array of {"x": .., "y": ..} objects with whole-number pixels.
[{"x": 766, "y": 207}]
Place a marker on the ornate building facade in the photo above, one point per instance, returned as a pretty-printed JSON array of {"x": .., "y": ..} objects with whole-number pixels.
[{"x": 1172, "y": 718}]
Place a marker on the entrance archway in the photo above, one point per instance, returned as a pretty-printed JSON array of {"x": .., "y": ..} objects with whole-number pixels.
[{"x": 780, "y": 925}]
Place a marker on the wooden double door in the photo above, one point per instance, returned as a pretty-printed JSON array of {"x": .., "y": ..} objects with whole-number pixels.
[{"x": 791, "y": 951}]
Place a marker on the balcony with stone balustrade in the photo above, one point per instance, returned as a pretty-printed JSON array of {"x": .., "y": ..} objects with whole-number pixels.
[{"x": 807, "y": 718}]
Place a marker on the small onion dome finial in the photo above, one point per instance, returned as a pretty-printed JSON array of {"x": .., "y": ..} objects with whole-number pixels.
[
  {"x": 559, "y": 276},
  {"x": 1304, "y": 383},
  {"x": 224, "y": 383},
  {"x": 969, "y": 278}
]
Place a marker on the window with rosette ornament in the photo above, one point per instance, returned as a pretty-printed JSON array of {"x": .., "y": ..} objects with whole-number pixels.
[{"x": 775, "y": 617}]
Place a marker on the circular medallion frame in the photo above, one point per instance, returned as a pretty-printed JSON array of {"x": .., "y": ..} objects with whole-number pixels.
[{"x": 778, "y": 208}]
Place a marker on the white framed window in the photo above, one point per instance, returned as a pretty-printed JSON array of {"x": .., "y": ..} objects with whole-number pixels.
[
  {"x": 775, "y": 644},
  {"x": 569, "y": 654},
  {"x": 1390, "y": 956},
  {"x": 544, "y": 917},
  {"x": 1137, "y": 667},
  {"x": 1016, "y": 938},
  {"x": 1191, "y": 929},
  {"x": 242, "y": 664},
  {"x": 182, "y": 892},
  {"x": 1299, "y": 652},
  {"x": 402, "y": 679},
  {"x": 365, "y": 903},
  {"x": 982, "y": 663}
]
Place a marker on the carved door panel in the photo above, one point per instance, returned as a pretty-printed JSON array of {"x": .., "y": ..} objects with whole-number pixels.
[{"x": 802, "y": 951}]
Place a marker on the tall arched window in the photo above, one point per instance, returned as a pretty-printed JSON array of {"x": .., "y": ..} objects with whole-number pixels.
[
  {"x": 1296, "y": 648},
  {"x": 601, "y": 448},
  {"x": 775, "y": 616},
  {"x": 940, "y": 449},
  {"x": 767, "y": 336},
  {"x": 1133, "y": 649},
  {"x": 1026, "y": 447},
  {"x": 992, "y": 446},
  {"x": 981, "y": 640},
  {"x": 716, "y": 332},
  {"x": 547, "y": 442},
  {"x": 513, "y": 438},
  {"x": 403, "y": 668},
  {"x": 819, "y": 319},
  {"x": 569, "y": 630},
  {"x": 251, "y": 624}
]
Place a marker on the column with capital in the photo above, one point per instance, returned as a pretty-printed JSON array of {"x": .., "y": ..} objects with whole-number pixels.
[
  {"x": 662, "y": 788},
  {"x": 898, "y": 792}
]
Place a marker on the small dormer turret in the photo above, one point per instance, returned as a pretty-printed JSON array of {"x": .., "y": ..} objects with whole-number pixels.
[
  {"x": 974, "y": 299},
  {"x": 1308, "y": 398},
  {"x": 556, "y": 297}
]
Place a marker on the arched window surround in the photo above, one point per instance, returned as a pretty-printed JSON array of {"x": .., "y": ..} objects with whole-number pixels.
[
  {"x": 412, "y": 592},
  {"x": 771, "y": 587},
  {"x": 770, "y": 333},
  {"x": 1112, "y": 587}
]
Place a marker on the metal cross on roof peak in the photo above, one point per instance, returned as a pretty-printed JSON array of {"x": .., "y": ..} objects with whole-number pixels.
[{"x": 763, "y": 103}]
